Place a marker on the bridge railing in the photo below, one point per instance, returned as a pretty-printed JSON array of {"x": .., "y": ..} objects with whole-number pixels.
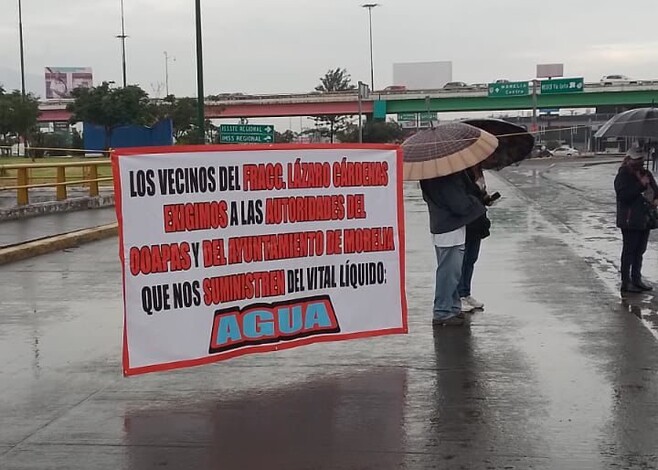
[{"x": 24, "y": 177}]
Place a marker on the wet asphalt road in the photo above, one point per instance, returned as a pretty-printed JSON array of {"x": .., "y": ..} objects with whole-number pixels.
[
  {"x": 13, "y": 232},
  {"x": 558, "y": 373}
]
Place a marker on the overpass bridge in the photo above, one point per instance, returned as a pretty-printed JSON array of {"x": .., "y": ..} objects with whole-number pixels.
[{"x": 381, "y": 104}]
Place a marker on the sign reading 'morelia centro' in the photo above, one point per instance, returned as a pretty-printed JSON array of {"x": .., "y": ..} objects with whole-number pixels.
[{"x": 234, "y": 250}]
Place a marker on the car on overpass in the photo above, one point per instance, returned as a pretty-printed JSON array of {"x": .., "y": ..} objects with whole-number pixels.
[
  {"x": 610, "y": 80},
  {"x": 395, "y": 89},
  {"x": 565, "y": 151},
  {"x": 455, "y": 86}
]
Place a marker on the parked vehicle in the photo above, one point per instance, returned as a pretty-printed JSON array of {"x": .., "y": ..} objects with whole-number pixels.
[
  {"x": 565, "y": 151},
  {"x": 610, "y": 80},
  {"x": 394, "y": 88},
  {"x": 455, "y": 86},
  {"x": 540, "y": 151}
]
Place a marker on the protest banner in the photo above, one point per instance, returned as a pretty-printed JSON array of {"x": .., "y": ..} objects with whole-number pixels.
[{"x": 233, "y": 250}]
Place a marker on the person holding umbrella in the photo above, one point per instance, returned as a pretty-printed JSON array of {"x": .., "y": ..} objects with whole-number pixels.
[
  {"x": 637, "y": 197},
  {"x": 476, "y": 231},
  {"x": 438, "y": 157},
  {"x": 514, "y": 145}
]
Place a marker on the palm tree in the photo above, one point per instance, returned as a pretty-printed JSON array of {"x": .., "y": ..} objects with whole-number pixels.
[{"x": 335, "y": 80}]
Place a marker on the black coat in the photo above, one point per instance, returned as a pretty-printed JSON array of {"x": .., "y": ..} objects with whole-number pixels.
[
  {"x": 479, "y": 228},
  {"x": 450, "y": 204},
  {"x": 632, "y": 207}
]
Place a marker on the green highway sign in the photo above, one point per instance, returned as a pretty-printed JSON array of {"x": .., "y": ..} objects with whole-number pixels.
[
  {"x": 246, "y": 134},
  {"x": 501, "y": 90},
  {"x": 407, "y": 117},
  {"x": 413, "y": 118},
  {"x": 562, "y": 85}
]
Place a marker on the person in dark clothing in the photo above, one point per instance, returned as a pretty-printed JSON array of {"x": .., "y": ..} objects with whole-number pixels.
[
  {"x": 637, "y": 194},
  {"x": 476, "y": 231},
  {"x": 451, "y": 209}
]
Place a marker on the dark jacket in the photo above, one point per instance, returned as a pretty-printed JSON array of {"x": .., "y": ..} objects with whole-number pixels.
[
  {"x": 479, "y": 228},
  {"x": 449, "y": 202},
  {"x": 632, "y": 206}
]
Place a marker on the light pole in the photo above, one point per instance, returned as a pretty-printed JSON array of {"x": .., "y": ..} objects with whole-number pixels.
[
  {"x": 20, "y": 35},
  {"x": 363, "y": 94},
  {"x": 370, "y": 6},
  {"x": 166, "y": 55},
  {"x": 123, "y": 37},
  {"x": 199, "y": 74}
]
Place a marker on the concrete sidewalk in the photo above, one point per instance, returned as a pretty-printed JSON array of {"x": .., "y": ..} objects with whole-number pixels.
[
  {"x": 22, "y": 230},
  {"x": 556, "y": 374}
]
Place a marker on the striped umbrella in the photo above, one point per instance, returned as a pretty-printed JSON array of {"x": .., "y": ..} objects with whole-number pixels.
[{"x": 446, "y": 149}]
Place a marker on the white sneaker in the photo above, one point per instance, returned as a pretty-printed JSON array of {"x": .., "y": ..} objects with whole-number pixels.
[
  {"x": 473, "y": 302},
  {"x": 466, "y": 306}
]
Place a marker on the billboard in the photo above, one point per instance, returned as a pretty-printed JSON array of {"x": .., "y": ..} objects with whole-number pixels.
[
  {"x": 550, "y": 70},
  {"x": 60, "y": 81},
  {"x": 422, "y": 75}
]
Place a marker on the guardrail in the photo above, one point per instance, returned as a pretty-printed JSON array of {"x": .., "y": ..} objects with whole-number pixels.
[{"x": 54, "y": 175}]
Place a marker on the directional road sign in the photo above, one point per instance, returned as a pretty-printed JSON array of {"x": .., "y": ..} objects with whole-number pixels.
[
  {"x": 498, "y": 90},
  {"x": 562, "y": 85},
  {"x": 246, "y": 133},
  {"x": 407, "y": 117}
]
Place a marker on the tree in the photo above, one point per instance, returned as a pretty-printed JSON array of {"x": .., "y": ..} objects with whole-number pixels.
[
  {"x": 182, "y": 112},
  {"x": 284, "y": 137},
  {"x": 18, "y": 116},
  {"x": 110, "y": 107},
  {"x": 374, "y": 132},
  {"x": 334, "y": 81}
]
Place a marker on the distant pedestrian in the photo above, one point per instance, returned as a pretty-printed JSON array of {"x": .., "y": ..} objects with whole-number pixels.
[
  {"x": 654, "y": 159},
  {"x": 476, "y": 231},
  {"x": 451, "y": 209},
  {"x": 637, "y": 198}
]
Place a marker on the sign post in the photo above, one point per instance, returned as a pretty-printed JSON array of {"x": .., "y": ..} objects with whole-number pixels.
[{"x": 246, "y": 134}]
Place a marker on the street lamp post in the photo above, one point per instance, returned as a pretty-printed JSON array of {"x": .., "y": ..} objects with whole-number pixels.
[
  {"x": 123, "y": 37},
  {"x": 362, "y": 94},
  {"x": 166, "y": 73},
  {"x": 20, "y": 35},
  {"x": 199, "y": 74},
  {"x": 370, "y": 6}
]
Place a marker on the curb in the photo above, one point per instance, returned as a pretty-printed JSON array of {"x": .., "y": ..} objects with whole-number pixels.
[{"x": 21, "y": 251}]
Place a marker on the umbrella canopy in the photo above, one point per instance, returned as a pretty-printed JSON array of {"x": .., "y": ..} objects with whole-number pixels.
[
  {"x": 641, "y": 123},
  {"x": 445, "y": 149},
  {"x": 514, "y": 142}
]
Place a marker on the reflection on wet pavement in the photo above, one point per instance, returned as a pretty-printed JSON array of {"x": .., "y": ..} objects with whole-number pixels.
[{"x": 557, "y": 373}]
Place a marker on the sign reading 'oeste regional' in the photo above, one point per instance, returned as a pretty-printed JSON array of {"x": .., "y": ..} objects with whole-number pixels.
[
  {"x": 234, "y": 250},
  {"x": 246, "y": 133},
  {"x": 497, "y": 90}
]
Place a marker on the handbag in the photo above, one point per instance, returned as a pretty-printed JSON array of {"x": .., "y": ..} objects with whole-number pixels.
[
  {"x": 652, "y": 216},
  {"x": 479, "y": 228}
]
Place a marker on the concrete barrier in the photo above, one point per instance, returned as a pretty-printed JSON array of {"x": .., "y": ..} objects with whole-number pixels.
[
  {"x": 21, "y": 251},
  {"x": 54, "y": 207}
]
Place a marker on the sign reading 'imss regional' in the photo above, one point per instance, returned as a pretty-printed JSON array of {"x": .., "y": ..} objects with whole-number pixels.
[{"x": 233, "y": 250}]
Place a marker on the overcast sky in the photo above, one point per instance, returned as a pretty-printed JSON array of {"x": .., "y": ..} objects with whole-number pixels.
[{"x": 269, "y": 46}]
